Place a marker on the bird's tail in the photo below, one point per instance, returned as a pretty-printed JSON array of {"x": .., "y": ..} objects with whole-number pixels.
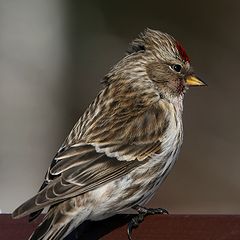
[{"x": 55, "y": 226}]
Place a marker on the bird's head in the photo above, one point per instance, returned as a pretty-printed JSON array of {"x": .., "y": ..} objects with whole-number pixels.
[
  {"x": 160, "y": 58},
  {"x": 165, "y": 60}
]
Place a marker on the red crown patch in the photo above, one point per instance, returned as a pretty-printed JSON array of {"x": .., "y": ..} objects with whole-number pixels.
[{"x": 182, "y": 52}]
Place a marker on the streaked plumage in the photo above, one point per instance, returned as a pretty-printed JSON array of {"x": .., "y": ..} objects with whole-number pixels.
[{"x": 123, "y": 146}]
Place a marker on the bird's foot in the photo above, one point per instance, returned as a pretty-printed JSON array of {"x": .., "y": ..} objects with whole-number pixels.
[
  {"x": 142, "y": 212},
  {"x": 150, "y": 211},
  {"x": 134, "y": 223}
]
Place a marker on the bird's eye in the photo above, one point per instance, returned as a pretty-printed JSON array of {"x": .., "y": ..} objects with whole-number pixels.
[{"x": 176, "y": 67}]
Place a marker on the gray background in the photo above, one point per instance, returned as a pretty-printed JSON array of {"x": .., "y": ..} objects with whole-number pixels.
[{"x": 53, "y": 55}]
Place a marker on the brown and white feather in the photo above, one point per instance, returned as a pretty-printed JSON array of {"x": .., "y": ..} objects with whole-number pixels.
[{"x": 122, "y": 147}]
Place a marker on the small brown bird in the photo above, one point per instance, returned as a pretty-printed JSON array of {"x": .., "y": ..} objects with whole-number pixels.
[{"x": 123, "y": 146}]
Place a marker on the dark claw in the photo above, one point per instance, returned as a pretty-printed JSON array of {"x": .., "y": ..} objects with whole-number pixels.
[
  {"x": 134, "y": 223},
  {"x": 129, "y": 230}
]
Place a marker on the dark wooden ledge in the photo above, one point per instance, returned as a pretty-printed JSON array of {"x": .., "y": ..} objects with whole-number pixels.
[{"x": 171, "y": 227}]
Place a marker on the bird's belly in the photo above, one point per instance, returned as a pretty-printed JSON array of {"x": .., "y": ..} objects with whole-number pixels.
[
  {"x": 154, "y": 176},
  {"x": 137, "y": 187}
]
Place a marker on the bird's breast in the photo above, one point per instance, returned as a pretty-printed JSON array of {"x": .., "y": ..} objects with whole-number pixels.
[{"x": 159, "y": 165}]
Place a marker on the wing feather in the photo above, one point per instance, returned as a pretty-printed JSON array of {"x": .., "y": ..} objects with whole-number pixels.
[{"x": 109, "y": 141}]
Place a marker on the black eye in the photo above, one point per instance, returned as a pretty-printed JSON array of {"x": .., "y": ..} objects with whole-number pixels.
[{"x": 177, "y": 67}]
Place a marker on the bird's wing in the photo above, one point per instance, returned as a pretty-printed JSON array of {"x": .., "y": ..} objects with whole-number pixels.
[{"x": 107, "y": 143}]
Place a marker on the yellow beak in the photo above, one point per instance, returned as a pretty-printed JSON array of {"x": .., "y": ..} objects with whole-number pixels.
[{"x": 194, "y": 81}]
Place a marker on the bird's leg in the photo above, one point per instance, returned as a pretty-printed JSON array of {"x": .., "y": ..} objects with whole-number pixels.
[{"x": 142, "y": 212}]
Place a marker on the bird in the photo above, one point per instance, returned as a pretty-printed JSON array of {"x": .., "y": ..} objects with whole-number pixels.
[{"x": 123, "y": 146}]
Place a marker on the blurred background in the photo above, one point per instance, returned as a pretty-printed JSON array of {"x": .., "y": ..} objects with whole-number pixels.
[{"x": 53, "y": 55}]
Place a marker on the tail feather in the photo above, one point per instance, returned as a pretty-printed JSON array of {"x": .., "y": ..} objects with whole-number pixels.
[
  {"x": 52, "y": 228},
  {"x": 42, "y": 229},
  {"x": 34, "y": 215},
  {"x": 60, "y": 220}
]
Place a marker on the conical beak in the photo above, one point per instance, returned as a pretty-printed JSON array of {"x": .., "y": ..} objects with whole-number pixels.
[{"x": 194, "y": 81}]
